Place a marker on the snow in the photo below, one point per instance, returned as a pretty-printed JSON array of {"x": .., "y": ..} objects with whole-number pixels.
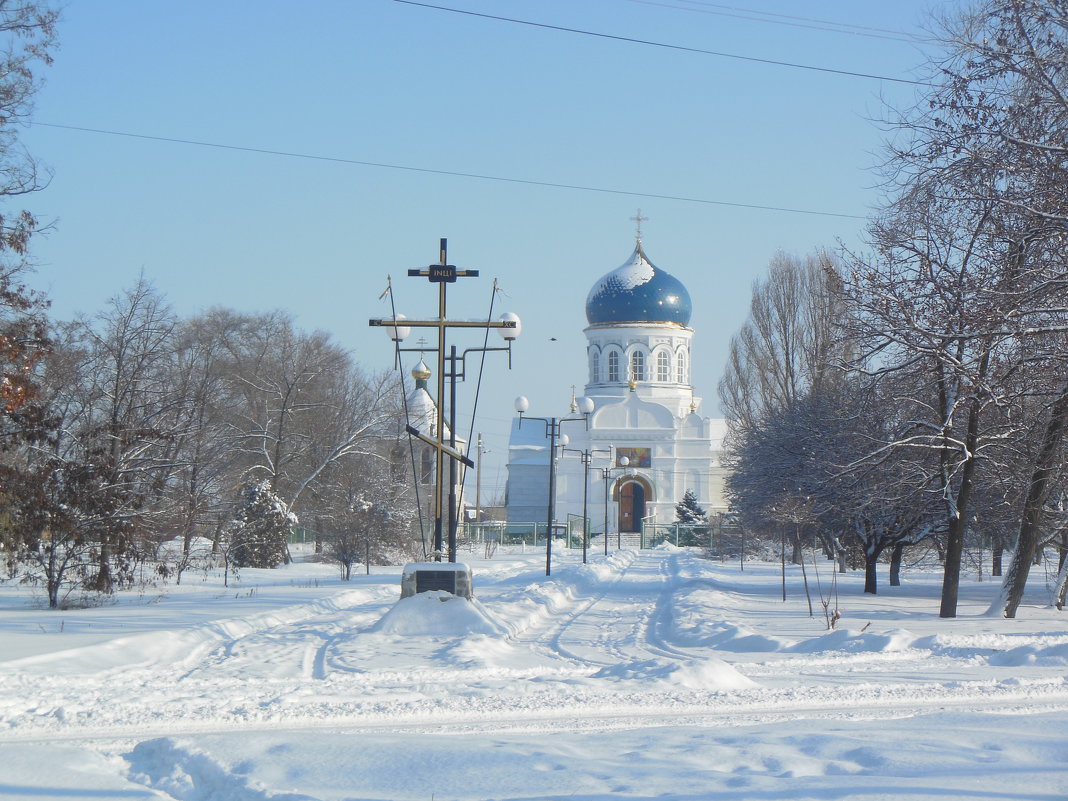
[
  {"x": 640, "y": 675},
  {"x": 629, "y": 276},
  {"x": 438, "y": 614}
]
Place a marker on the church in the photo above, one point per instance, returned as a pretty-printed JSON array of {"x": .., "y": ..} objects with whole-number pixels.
[{"x": 647, "y": 442}]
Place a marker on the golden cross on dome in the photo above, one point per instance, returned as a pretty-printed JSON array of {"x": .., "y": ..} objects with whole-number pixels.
[{"x": 638, "y": 220}]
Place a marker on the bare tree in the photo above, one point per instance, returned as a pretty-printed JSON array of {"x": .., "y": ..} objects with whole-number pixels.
[
  {"x": 303, "y": 405},
  {"x": 931, "y": 303},
  {"x": 787, "y": 346},
  {"x": 198, "y": 474},
  {"x": 808, "y": 471},
  {"x": 784, "y": 355},
  {"x": 966, "y": 282},
  {"x": 119, "y": 422},
  {"x": 368, "y": 515},
  {"x": 28, "y": 29}
]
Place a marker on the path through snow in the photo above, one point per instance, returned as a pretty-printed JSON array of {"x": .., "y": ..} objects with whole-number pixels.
[{"x": 639, "y": 675}]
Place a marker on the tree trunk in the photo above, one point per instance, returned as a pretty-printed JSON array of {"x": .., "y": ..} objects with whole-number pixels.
[
  {"x": 1061, "y": 589},
  {"x": 54, "y": 577},
  {"x": 102, "y": 581},
  {"x": 1062, "y": 572},
  {"x": 997, "y": 548},
  {"x": 871, "y": 576},
  {"x": 216, "y": 537},
  {"x": 951, "y": 571},
  {"x": 1027, "y": 542},
  {"x": 896, "y": 554},
  {"x": 958, "y": 521}
]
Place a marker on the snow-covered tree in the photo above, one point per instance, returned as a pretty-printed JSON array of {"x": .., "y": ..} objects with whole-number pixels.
[
  {"x": 368, "y": 513},
  {"x": 298, "y": 403},
  {"x": 964, "y": 290},
  {"x": 202, "y": 464},
  {"x": 42, "y": 541},
  {"x": 27, "y": 38},
  {"x": 119, "y": 439},
  {"x": 259, "y": 528},
  {"x": 688, "y": 510}
]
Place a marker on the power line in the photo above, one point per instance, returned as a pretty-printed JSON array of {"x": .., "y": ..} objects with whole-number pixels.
[
  {"x": 451, "y": 173},
  {"x": 665, "y": 45},
  {"x": 770, "y": 17}
]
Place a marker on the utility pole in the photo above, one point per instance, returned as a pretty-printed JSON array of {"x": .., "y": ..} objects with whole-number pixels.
[{"x": 398, "y": 327}]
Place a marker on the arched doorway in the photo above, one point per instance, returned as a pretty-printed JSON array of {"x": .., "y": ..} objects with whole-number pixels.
[{"x": 631, "y": 506}]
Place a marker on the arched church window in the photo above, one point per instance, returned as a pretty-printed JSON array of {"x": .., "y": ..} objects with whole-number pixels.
[
  {"x": 682, "y": 366},
  {"x": 663, "y": 366},
  {"x": 613, "y": 365},
  {"x": 595, "y": 366},
  {"x": 637, "y": 365}
]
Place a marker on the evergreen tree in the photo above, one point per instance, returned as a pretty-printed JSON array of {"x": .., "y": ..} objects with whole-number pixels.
[
  {"x": 688, "y": 510},
  {"x": 259, "y": 529}
]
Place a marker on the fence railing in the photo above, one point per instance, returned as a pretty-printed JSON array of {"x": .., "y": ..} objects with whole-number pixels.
[
  {"x": 683, "y": 535},
  {"x": 569, "y": 534}
]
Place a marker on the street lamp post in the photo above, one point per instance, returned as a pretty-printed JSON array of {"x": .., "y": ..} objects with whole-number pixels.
[
  {"x": 458, "y": 371},
  {"x": 606, "y": 473},
  {"x": 552, "y": 431},
  {"x": 586, "y": 455},
  {"x": 478, "y": 482}
]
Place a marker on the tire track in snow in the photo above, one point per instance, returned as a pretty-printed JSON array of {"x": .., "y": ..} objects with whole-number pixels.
[
  {"x": 282, "y": 648},
  {"x": 615, "y": 711},
  {"x": 624, "y": 616},
  {"x": 553, "y": 639},
  {"x": 631, "y": 631},
  {"x": 660, "y": 619}
]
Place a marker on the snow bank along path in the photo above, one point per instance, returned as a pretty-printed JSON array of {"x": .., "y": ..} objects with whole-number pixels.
[{"x": 660, "y": 641}]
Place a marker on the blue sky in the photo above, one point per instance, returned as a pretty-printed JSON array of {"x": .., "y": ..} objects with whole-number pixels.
[{"x": 377, "y": 81}]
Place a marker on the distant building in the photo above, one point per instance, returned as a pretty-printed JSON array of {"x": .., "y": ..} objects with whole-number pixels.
[{"x": 639, "y": 358}]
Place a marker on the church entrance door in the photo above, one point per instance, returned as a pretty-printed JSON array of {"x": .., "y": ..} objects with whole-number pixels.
[{"x": 631, "y": 506}]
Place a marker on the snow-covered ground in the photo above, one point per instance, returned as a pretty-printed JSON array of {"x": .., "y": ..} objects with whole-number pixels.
[{"x": 639, "y": 676}]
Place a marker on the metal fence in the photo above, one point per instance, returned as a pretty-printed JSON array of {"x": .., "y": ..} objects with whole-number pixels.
[
  {"x": 569, "y": 534},
  {"x": 683, "y": 535}
]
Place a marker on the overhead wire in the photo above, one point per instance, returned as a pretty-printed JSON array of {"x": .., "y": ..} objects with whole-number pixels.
[
  {"x": 478, "y": 383},
  {"x": 790, "y": 20},
  {"x": 450, "y": 173},
  {"x": 665, "y": 45}
]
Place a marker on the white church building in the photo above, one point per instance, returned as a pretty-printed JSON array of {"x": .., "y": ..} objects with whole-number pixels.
[{"x": 645, "y": 409}]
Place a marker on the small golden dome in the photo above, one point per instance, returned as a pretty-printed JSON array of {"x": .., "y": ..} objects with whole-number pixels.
[{"x": 421, "y": 372}]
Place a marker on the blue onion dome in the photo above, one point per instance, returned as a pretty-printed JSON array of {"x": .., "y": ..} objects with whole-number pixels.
[{"x": 638, "y": 292}]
